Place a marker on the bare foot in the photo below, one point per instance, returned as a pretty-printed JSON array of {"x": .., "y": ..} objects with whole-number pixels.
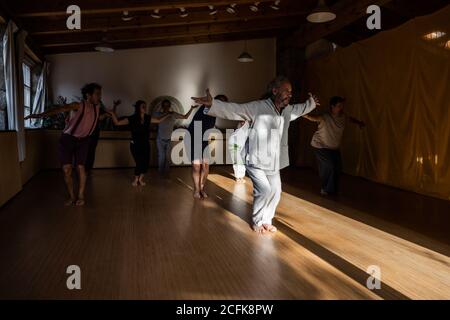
[
  {"x": 259, "y": 229},
  {"x": 270, "y": 228},
  {"x": 69, "y": 202},
  {"x": 80, "y": 203},
  {"x": 197, "y": 195},
  {"x": 204, "y": 195}
]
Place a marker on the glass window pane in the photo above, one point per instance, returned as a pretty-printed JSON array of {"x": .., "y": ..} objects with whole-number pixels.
[
  {"x": 27, "y": 97},
  {"x": 26, "y": 75}
]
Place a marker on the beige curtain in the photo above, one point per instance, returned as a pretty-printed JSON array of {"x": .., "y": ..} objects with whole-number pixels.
[{"x": 398, "y": 82}]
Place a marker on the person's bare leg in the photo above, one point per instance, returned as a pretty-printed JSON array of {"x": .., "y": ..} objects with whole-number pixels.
[
  {"x": 82, "y": 177},
  {"x": 196, "y": 170},
  {"x": 141, "y": 180},
  {"x": 67, "y": 169},
  {"x": 204, "y": 179},
  {"x": 135, "y": 182}
]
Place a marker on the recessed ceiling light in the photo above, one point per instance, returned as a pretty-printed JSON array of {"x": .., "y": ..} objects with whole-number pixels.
[
  {"x": 232, "y": 8},
  {"x": 254, "y": 7}
]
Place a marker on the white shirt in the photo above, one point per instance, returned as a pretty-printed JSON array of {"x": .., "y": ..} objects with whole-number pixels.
[
  {"x": 268, "y": 135},
  {"x": 330, "y": 131}
]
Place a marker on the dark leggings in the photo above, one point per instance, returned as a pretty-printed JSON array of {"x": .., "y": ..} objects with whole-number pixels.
[
  {"x": 141, "y": 155},
  {"x": 329, "y": 168},
  {"x": 93, "y": 142}
]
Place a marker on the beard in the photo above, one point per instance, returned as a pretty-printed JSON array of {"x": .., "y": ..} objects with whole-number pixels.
[{"x": 286, "y": 101}]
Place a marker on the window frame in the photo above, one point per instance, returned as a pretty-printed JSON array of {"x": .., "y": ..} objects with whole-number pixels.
[{"x": 29, "y": 87}]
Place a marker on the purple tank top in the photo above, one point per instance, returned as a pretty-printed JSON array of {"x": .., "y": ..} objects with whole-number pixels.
[{"x": 83, "y": 121}]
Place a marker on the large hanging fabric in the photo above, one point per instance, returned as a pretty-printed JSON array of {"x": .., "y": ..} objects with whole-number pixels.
[
  {"x": 398, "y": 83},
  {"x": 13, "y": 53}
]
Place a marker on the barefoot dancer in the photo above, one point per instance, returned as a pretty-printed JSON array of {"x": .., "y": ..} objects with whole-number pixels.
[
  {"x": 139, "y": 124},
  {"x": 200, "y": 163},
  {"x": 326, "y": 142},
  {"x": 74, "y": 142},
  {"x": 165, "y": 129},
  {"x": 267, "y": 144}
]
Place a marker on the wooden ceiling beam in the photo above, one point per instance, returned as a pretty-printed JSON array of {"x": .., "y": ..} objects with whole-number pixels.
[
  {"x": 58, "y": 26},
  {"x": 170, "y": 42},
  {"x": 42, "y": 8},
  {"x": 168, "y": 33}
]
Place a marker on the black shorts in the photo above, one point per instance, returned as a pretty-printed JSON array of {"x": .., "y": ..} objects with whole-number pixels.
[{"x": 73, "y": 150}]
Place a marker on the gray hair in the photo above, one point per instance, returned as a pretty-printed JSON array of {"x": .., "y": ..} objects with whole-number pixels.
[{"x": 274, "y": 84}]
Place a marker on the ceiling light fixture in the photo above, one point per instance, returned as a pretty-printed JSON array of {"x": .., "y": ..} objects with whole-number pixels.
[
  {"x": 183, "y": 13},
  {"x": 254, "y": 7},
  {"x": 321, "y": 14},
  {"x": 212, "y": 10},
  {"x": 156, "y": 14},
  {"x": 104, "y": 46},
  {"x": 245, "y": 56},
  {"x": 276, "y": 5},
  {"x": 434, "y": 35},
  {"x": 232, "y": 8},
  {"x": 126, "y": 16}
]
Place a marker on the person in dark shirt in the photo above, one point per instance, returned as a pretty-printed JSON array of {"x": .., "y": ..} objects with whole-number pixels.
[
  {"x": 200, "y": 162},
  {"x": 95, "y": 136},
  {"x": 139, "y": 124}
]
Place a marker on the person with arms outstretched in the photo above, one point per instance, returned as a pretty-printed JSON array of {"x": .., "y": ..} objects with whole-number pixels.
[
  {"x": 326, "y": 143},
  {"x": 139, "y": 124},
  {"x": 74, "y": 143},
  {"x": 165, "y": 129},
  {"x": 267, "y": 144}
]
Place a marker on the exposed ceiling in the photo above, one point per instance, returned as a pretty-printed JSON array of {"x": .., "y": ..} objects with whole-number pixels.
[{"x": 45, "y": 21}]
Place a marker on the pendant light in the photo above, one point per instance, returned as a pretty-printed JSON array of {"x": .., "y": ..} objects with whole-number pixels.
[
  {"x": 321, "y": 13},
  {"x": 245, "y": 56}
]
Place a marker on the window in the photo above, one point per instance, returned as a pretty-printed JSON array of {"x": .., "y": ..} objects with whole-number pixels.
[
  {"x": 27, "y": 92},
  {"x": 434, "y": 35}
]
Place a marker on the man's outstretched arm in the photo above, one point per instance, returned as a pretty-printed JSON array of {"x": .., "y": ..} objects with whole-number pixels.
[
  {"x": 302, "y": 109},
  {"x": 227, "y": 110}
]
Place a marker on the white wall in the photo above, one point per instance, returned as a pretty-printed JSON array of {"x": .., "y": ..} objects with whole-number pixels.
[{"x": 179, "y": 71}]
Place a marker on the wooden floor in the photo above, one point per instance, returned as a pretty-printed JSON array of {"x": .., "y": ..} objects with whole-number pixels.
[{"x": 158, "y": 243}]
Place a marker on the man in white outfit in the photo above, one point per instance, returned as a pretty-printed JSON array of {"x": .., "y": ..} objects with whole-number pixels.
[{"x": 267, "y": 150}]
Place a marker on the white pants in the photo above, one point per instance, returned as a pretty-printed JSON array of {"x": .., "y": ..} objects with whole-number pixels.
[
  {"x": 239, "y": 171},
  {"x": 266, "y": 194}
]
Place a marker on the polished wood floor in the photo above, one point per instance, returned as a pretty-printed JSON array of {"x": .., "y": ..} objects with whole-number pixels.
[{"x": 156, "y": 242}]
